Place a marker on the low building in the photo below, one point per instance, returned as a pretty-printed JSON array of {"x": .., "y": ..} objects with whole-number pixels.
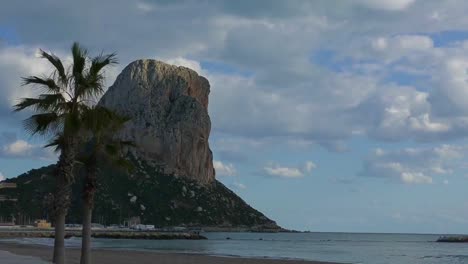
[{"x": 41, "y": 223}]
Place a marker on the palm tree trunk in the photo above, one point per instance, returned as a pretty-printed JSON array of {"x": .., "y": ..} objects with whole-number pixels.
[
  {"x": 59, "y": 242},
  {"x": 86, "y": 235},
  {"x": 62, "y": 199},
  {"x": 88, "y": 204}
]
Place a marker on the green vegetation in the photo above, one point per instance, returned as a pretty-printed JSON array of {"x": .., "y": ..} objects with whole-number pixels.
[{"x": 162, "y": 200}]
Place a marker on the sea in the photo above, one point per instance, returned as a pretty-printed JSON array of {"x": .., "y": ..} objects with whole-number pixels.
[{"x": 334, "y": 247}]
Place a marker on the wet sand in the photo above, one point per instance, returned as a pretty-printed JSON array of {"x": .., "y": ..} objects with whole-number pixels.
[{"x": 103, "y": 256}]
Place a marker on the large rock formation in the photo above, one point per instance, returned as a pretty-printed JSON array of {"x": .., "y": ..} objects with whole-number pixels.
[
  {"x": 168, "y": 107},
  {"x": 170, "y": 124}
]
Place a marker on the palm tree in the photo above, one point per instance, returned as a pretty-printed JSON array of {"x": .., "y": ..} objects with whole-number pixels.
[
  {"x": 67, "y": 95},
  {"x": 102, "y": 125}
]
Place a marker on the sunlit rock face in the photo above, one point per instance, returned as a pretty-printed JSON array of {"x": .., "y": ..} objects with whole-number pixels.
[{"x": 168, "y": 107}]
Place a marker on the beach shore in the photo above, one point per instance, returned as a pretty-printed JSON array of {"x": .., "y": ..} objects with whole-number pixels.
[{"x": 103, "y": 256}]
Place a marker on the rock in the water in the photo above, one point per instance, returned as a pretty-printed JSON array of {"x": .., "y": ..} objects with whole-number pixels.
[{"x": 168, "y": 107}]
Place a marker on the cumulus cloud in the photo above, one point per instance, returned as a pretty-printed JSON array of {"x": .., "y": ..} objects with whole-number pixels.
[
  {"x": 390, "y": 5},
  {"x": 310, "y": 166},
  {"x": 264, "y": 90},
  {"x": 401, "y": 45},
  {"x": 224, "y": 169},
  {"x": 284, "y": 172},
  {"x": 2, "y": 177},
  {"x": 180, "y": 61},
  {"x": 144, "y": 7},
  {"x": 17, "y": 62},
  {"x": 416, "y": 178},
  {"x": 415, "y": 165},
  {"x": 276, "y": 170},
  {"x": 402, "y": 112},
  {"x": 21, "y": 149},
  {"x": 239, "y": 186},
  {"x": 18, "y": 148}
]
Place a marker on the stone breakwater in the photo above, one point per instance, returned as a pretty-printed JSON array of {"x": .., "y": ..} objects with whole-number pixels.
[
  {"x": 105, "y": 234},
  {"x": 459, "y": 239}
]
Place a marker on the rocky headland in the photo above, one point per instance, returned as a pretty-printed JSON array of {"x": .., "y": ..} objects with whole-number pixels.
[{"x": 174, "y": 181}]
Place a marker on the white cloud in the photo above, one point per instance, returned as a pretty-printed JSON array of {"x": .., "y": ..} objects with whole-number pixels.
[
  {"x": 416, "y": 178},
  {"x": 180, "y": 61},
  {"x": 283, "y": 172},
  {"x": 402, "y": 43},
  {"x": 414, "y": 42},
  {"x": 379, "y": 43},
  {"x": 390, "y": 5},
  {"x": 239, "y": 185},
  {"x": 452, "y": 80},
  {"x": 423, "y": 123},
  {"x": 224, "y": 169},
  {"x": 309, "y": 166},
  {"x": 415, "y": 165},
  {"x": 276, "y": 170},
  {"x": 18, "y": 148},
  {"x": 17, "y": 62},
  {"x": 2, "y": 177},
  {"x": 24, "y": 150},
  {"x": 145, "y": 7},
  {"x": 264, "y": 90},
  {"x": 400, "y": 112}
]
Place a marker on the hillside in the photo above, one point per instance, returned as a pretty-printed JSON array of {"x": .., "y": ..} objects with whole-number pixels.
[{"x": 158, "y": 199}]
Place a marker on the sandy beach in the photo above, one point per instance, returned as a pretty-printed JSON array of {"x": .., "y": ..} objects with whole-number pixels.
[{"x": 102, "y": 256}]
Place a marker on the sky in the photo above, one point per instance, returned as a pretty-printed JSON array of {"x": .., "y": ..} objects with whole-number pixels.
[{"x": 326, "y": 115}]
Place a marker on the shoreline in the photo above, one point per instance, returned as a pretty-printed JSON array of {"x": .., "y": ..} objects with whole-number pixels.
[{"x": 119, "y": 256}]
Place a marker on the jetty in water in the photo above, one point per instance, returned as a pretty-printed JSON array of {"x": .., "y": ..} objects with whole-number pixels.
[{"x": 114, "y": 234}]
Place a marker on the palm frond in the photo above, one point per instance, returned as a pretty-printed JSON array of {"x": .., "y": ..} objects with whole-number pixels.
[
  {"x": 57, "y": 143},
  {"x": 51, "y": 101},
  {"x": 45, "y": 103},
  {"x": 90, "y": 87},
  {"x": 92, "y": 84},
  {"x": 79, "y": 61},
  {"x": 43, "y": 124},
  {"x": 44, "y": 82},
  {"x": 99, "y": 62},
  {"x": 58, "y": 65},
  {"x": 25, "y": 103},
  {"x": 79, "y": 64}
]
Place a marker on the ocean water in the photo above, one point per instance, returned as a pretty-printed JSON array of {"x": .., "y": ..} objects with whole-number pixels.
[{"x": 334, "y": 247}]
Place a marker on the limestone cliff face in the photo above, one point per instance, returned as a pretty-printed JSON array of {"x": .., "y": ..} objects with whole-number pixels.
[{"x": 168, "y": 107}]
